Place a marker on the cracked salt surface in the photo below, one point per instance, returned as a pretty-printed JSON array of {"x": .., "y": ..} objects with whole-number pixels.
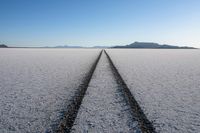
[
  {"x": 103, "y": 108},
  {"x": 37, "y": 84},
  {"x": 166, "y": 84}
]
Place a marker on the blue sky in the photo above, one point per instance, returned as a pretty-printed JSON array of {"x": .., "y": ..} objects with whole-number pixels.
[{"x": 99, "y": 22}]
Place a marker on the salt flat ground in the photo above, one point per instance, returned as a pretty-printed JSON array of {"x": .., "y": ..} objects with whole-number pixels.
[
  {"x": 166, "y": 84},
  {"x": 37, "y": 84}
]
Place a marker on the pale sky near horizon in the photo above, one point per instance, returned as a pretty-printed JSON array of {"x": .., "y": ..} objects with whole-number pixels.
[{"x": 99, "y": 22}]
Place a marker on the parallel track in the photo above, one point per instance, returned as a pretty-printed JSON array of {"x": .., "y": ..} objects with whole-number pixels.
[
  {"x": 72, "y": 110},
  {"x": 145, "y": 125}
]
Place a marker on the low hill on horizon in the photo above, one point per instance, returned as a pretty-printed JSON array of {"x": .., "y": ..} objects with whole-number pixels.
[
  {"x": 3, "y": 46},
  {"x": 66, "y": 46},
  {"x": 152, "y": 45}
]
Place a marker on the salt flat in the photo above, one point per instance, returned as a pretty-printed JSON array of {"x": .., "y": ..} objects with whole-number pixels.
[
  {"x": 37, "y": 84},
  {"x": 166, "y": 84}
]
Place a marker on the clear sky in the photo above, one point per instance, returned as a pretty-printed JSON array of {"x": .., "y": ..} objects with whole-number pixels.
[{"x": 99, "y": 22}]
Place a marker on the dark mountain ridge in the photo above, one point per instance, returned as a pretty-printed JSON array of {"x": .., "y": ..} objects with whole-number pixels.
[
  {"x": 3, "y": 46},
  {"x": 152, "y": 45}
]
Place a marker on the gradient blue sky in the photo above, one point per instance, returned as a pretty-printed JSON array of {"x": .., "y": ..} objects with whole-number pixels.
[{"x": 99, "y": 22}]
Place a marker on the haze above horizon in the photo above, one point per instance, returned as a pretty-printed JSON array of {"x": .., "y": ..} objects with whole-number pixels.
[{"x": 99, "y": 22}]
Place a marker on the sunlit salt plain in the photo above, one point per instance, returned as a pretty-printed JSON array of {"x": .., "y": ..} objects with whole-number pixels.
[
  {"x": 166, "y": 84},
  {"x": 36, "y": 85}
]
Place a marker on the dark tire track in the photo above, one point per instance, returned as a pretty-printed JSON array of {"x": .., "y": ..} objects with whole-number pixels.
[
  {"x": 72, "y": 109},
  {"x": 145, "y": 125},
  {"x": 104, "y": 107}
]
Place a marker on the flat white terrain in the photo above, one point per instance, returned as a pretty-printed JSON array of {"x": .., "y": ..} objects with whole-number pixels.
[
  {"x": 36, "y": 85},
  {"x": 103, "y": 108},
  {"x": 166, "y": 84}
]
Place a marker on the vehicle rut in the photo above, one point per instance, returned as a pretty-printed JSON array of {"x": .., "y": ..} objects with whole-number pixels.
[
  {"x": 145, "y": 125},
  {"x": 72, "y": 109}
]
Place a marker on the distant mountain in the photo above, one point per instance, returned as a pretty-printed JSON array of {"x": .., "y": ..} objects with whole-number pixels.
[
  {"x": 63, "y": 46},
  {"x": 3, "y": 46},
  {"x": 100, "y": 46},
  {"x": 67, "y": 46},
  {"x": 151, "y": 45}
]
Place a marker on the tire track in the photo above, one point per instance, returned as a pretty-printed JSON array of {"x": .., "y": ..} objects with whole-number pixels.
[
  {"x": 72, "y": 109},
  {"x": 145, "y": 125},
  {"x": 104, "y": 108},
  {"x": 123, "y": 93}
]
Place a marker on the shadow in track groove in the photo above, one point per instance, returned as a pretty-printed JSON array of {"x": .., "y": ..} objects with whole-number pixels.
[
  {"x": 70, "y": 115},
  {"x": 145, "y": 125}
]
